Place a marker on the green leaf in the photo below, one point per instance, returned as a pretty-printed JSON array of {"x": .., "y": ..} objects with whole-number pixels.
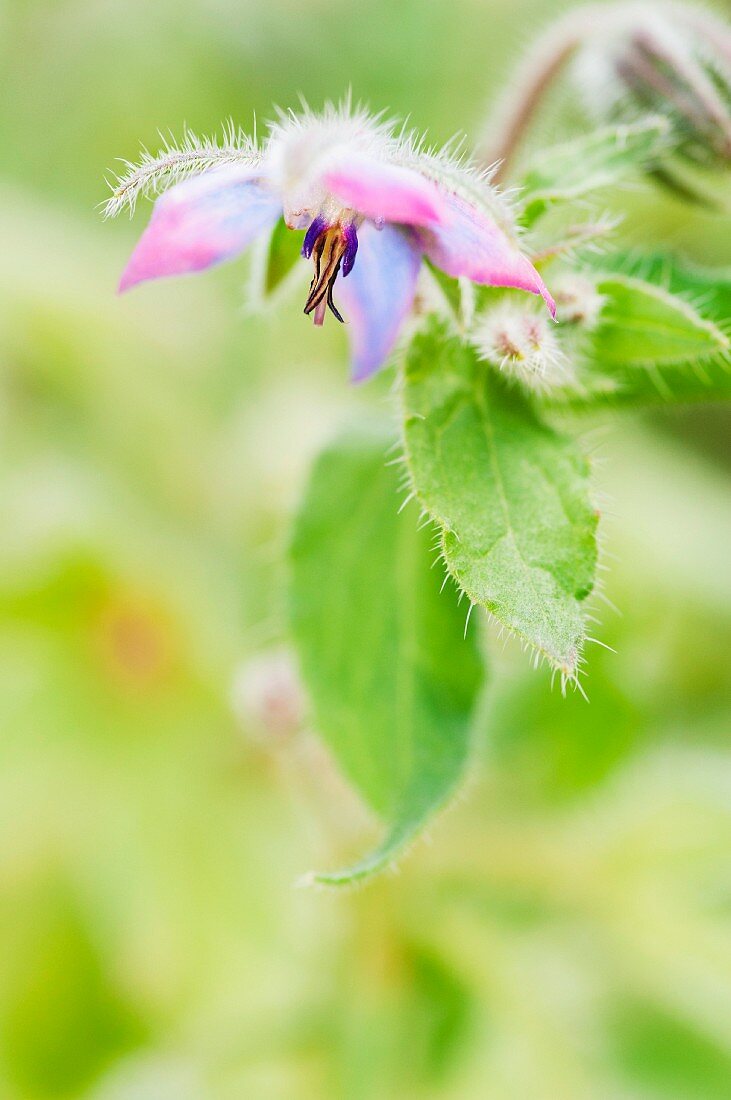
[
  {"x": 285, "y": 249},
  {"x": 510, "y": 494},
  {"x": 274, "y": 261},
  {"x": 450, "y": 288},
  {"x": 707, "y": 288},
  {"x": 642, "y": 324},
  {"x": 392, "y": 673},
  {"x": 652, "y": 345},
  {"x": 588, "y": 163}
]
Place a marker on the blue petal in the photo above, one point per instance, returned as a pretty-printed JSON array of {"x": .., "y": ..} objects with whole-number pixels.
[{"x": 378, "y": 295}]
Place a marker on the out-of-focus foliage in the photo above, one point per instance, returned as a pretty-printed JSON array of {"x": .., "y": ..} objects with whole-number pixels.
[
  {"x": 568, "y": 933},
  {"x": 588, "y": 163},
  {"x": 393, "y": 671}
]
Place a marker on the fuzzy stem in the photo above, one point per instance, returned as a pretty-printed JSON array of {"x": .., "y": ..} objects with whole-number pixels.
[{"x": 510, "y": 119}]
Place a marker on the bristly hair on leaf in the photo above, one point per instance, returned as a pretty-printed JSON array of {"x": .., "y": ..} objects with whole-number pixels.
[{"x": 155, "y": 172}]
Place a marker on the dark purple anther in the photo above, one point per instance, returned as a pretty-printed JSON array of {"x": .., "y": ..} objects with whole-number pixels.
[
  {"x": 317, "y": 226},
  {"x": 351, "y": 247}
]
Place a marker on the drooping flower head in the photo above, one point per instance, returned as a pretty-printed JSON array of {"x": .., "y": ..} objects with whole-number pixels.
[{"x": 372, "y": 200}]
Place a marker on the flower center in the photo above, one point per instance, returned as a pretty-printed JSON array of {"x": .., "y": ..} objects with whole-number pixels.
[{"x": 330, "y": 246}]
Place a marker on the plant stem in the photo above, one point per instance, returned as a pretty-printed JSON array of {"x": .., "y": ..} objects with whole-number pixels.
[{"x": 507, "y": 125}]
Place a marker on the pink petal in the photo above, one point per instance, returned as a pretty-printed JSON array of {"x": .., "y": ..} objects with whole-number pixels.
[
  {"x": 377, "y": 295},
  {"x": 474, "y": 245},
  {"x": 385, "y": 192},
  {"x": 201, "y": 222}
]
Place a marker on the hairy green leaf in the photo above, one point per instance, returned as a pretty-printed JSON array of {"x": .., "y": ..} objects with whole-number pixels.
[
  {"x": 588, "y": 163},
  {"x": 642, "y": 324},
  {"x": 510, "y": 494},
  {"x": 708, "y": 289},
  {"x": 392, "y": 674},
  {"x": 651, "y": 344}
]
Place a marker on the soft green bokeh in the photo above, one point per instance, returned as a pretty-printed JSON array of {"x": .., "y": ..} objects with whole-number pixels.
[
  {"x": 567, "y": 934},
  {"x": 393, "y": 672}
]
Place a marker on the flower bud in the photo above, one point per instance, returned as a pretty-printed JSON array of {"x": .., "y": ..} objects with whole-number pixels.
[
  {"x": 267, "y": 696},
  {"x": 667, "y": 59},
  {"x": 523, "y": 345},
  {"x": 577, "y": 300}
]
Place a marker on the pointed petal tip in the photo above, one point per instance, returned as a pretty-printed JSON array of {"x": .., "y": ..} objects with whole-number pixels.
[
  {"x": 473, "y": 245},
  {"x": 528, "y": 278},
  {"x": 128, "y": 280},
  {"x": 360, "y": 372}
]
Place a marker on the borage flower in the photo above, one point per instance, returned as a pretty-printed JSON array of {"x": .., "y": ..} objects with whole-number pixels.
[{"x": 373, "y": 202}]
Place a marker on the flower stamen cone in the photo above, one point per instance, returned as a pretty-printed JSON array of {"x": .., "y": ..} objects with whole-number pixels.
[{"x": 330, "y": 247}]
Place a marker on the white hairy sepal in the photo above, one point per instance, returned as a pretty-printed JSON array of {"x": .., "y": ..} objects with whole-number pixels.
[
  {"x": 300, "y": 146},
  {"x": 297, "y": 150},
  {"x": 456, "y": 173},
  {"x": 155, "y": 172}
]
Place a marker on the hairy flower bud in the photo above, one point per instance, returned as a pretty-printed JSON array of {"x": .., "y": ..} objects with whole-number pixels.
[
  {"x": 629, "y": 60},
  {"x": 578, "y": 300},
  {"x": 268, "y": 697},
  {"x": 662, "y": 58},
  {"x": 523, "y": 346}
]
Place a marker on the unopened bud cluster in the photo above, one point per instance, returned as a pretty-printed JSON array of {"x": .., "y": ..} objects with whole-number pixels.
[{"x": 662, "y": 58}]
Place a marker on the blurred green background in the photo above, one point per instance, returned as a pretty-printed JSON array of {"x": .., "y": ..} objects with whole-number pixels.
[{"x": 567, "y": 932}]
